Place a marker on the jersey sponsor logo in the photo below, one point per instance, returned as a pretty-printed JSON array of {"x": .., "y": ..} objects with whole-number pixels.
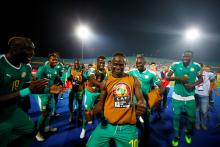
[
  {"x": 146, "y": 76},
  {"x": 78, "y": 79},
  {"x": 8, "y": 75},
  {"x": 23, "y": 74},
  {"x": 192, "y": 69},
  {"x": 122, "y": 95},
  {"x": 92, "y": 70},
  {"x": 186, "y": 75}
]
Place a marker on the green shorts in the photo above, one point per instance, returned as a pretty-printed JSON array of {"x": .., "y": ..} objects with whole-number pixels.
[
  {"x": 44, "y": 101},
  {"x": 90, "y": 98},
  {"x": 189, "y": 107},
  {"x": 76, "y": 95},
  {"x": 123, "y": 135},
  {"x": 14, "y": 126}
]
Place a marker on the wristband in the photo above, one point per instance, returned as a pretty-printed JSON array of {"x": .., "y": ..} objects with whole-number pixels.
[{"x": 24, "y": 92}]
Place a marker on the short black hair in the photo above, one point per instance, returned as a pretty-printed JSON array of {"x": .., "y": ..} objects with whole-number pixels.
[
  {"x": 57, "y": 53},
  {"x": 201, "y": 64},
  {"x": 119, "y": 54},
  {"x": 101, "y": 57},
  {"x": 152, "y": 63},
  {"x": 20, "y": 42},
  {"x": 90, "y": 65},
  {"x": 140, "y": 56},
  {"x": 52, "y": 55},
  {"x": 77, "y": 59},
  {"x": 188, "y": 52},
  {"x": 82, "y": 65}
]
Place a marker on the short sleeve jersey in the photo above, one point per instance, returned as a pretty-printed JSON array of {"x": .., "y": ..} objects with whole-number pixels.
[
  {"x": 12, "y": 78},
  {"x": 147, "y": 78},
  {"x": 98, "y": 75},
  {"x": 190, "y": 71},
  {"x": 60, "y": 68},
  {"x": 48, "y": 72}
]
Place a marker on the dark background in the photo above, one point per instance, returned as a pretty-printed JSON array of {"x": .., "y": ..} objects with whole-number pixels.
[{"x": 152, "y": 27}]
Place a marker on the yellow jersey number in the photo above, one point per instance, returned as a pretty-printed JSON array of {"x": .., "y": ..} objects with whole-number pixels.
[
  {"x": 134, "y": 143},
  {"x": 15, "y": 85}
]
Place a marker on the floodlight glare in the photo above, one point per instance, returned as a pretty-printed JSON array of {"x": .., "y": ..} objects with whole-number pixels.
[
  {"x": 83, "y": 32},
  {"x": 192, "y": 34}
]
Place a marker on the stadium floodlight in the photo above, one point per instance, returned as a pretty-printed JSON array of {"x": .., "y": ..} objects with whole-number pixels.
[
  {"x": 83, "y": 32},
  {"x": 192, "y": 34}
]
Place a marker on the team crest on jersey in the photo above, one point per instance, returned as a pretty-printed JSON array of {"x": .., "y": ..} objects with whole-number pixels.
[
  {"x": 92, "y": 70},
  {"x": 122, "y": 95},
  {"x": 23, "y": 74},
  {"x": 78, "y": 78},
  {"x": 192, "y": 69},
  {"x": 146, "y": 76}
]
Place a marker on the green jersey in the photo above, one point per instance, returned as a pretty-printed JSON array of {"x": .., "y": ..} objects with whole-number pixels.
[
  {"x": 12, "y": 78},
  {"x": 190, "y": 71},
  {"x": 75, "y": 72},
  {"x": 85, "y": 74},
  {"x": 46, "y": 71},
  {"x": 98, "y": 76},
  {"x": 60, "y": 70},
  {"x": 147, "y": 79},
  {"x": 69, "y": 72}
]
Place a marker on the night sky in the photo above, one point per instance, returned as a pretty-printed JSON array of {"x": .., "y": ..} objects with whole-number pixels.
[{"x": 152, "y": 27}]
